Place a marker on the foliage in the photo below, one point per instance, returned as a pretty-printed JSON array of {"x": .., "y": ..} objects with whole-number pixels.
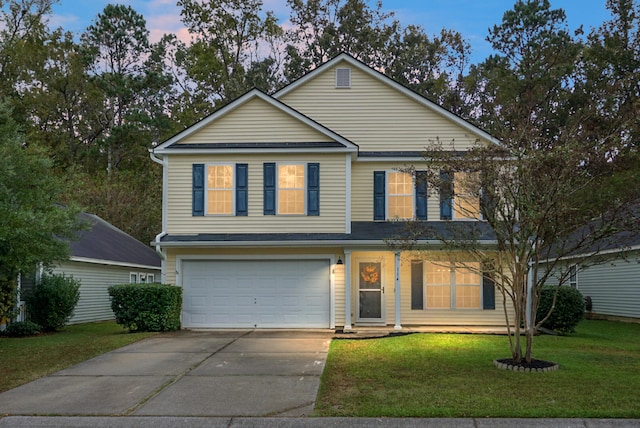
[
  {"x": 34, "y": 228},
  {"x": 446, "y": 375},
  {"x": 147, "y": 307},
  {"x": 21, "y": 329},
  {"x": 29, "y": 358},
  {"x": 565, "y": 307},
  {"x": 52, "y": 301}
]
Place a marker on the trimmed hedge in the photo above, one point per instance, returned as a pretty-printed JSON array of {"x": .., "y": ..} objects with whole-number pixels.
[
  {"x": 52, "y": 301},
  {"x": 21, "y": 329},
  {"x": 147, "y": 307},
  {"x": 568, "y": 312}
]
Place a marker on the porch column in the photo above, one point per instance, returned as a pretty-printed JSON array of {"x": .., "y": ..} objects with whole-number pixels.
[
  {"x": 347, "y": 290},
  {"x": 398, "y": 326}
]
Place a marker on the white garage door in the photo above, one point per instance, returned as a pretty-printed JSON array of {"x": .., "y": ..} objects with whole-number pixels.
[{"x": 256, "y": 293}]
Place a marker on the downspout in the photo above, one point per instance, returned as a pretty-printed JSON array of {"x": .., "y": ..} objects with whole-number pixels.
[{"x": 159, "y": 236}]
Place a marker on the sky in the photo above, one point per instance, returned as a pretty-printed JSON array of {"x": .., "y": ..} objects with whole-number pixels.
[{"x": 471, "y": 18}]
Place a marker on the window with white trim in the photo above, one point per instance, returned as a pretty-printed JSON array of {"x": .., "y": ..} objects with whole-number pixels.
[
  {"x": 400, "y": 195},
  {"x": 133, "y": 278},
  {"x": 573, "y": 276},
  {"x": 150, "y": 278},
  {"x": 220, "y": 189},
  {"x": 291, "y": 189},
  {"x": 453, "y": 285}
]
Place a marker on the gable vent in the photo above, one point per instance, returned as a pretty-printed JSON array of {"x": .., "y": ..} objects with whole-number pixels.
[{"x": 343, "y": 77}]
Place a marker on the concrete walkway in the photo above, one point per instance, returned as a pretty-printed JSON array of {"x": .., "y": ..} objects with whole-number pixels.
[{"x": 187, "y": 373}]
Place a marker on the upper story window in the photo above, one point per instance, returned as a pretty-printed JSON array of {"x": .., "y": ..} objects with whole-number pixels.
[
  {"x": 220, "y": 186},
  {"x": 400, "y": 195},
  {"x": 457, "y": 198},
  {"x": 219, "y": 189},
  {"x": 291, "y": 189}
]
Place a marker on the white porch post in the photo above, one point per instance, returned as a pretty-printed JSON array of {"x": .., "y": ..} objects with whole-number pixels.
[
  {"x": 347, "y": 290},
  {"x": 398, "y": 325}
]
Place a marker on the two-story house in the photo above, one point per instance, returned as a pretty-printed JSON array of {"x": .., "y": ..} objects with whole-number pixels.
[{"x": 276, "y": 209}]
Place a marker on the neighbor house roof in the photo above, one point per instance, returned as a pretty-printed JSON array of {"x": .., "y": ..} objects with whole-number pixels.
[{"x": 103, "y": 242}]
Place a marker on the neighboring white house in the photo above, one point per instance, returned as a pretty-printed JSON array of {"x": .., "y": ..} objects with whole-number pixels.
[{"x": 102, "y": 256}]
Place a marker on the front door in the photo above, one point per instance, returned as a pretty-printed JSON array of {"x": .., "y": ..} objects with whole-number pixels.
[{"x": 370, "y": 291}]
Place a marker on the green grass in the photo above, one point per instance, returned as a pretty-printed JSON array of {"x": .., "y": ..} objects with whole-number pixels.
[
  {"x": 449, "y": 375},
  {"x": 26, "y": 359}
]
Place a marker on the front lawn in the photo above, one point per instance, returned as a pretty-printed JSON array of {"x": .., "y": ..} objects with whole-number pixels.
[
  {"x": 26, "y": 359},
  {"x": 452, "y": 375}
]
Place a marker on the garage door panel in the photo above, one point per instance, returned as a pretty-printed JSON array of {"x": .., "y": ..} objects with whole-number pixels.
[{"x": 262, "y": 293}]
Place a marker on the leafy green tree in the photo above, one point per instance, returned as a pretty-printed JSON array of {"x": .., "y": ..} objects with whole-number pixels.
[
  {"x": 34, "y": 228},
  {"x": 224, "y": 58}
]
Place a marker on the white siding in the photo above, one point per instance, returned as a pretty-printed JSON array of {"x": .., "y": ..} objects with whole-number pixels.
[
  {"x": 374, "y": 115},
  {"x": 256, "y": 121},
  {"x": 614, "y": 287},
  {"x": 332, "y": 197},
  {"x": 94, "y": 303}
]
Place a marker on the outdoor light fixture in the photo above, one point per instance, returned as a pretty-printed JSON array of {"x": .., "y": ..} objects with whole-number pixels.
[{"x": 340, "y": 262}]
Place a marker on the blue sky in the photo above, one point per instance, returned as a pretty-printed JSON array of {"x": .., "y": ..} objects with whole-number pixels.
[{"x": 472, "y": 18}]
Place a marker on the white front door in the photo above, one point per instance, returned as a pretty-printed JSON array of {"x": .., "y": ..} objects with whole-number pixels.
[{"x": 370, "y": 292}]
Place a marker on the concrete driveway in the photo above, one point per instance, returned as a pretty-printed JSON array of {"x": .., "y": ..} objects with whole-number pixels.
[{"x": 187, "y": 373}]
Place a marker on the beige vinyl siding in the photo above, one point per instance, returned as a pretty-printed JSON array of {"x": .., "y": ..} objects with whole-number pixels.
[
  {"x": 435, "y": 317},
  {"x": 374, "y": 115},
  {"x": 332, "y": 197},
  {"x": 94, "y": 303},
  {"x": 362, "y": 190},
  {"x": 256, "y": 121}
]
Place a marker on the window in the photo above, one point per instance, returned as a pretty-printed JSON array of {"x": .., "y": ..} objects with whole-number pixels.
[
  {"x": 150, "y": 278},
  {"x": 457, "y": 198},
  {"x": 573, "y": 276},
  {"x": 467, "y": 283},
  {"x": 453, "y": 285},
  {"x": 400, "y": 195},
  {"x": 133, "y": 278},
  {"x": 291, "y": 189},
  {"x": 219, "y": 189}
]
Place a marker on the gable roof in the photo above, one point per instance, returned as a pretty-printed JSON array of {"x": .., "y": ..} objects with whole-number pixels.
[
  {"x": 344, "y": 57},
  {"x": 103, "y": 242},
  {"x": 172, "y": 146}
]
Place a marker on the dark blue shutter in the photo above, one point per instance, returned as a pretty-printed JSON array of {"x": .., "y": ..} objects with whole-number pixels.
[
  {"x": 378, "y": 195},
  {"x": 446, "y": 196},
  {"x": 488, "y": 288},
  {"x": 242, "y": 187},
  {"x": 421, "y": 195},
  {"x": 313, "y": 189},
  {"x": 269, "y": 188},
  {"x": 417, "y": 289},
  {"x": 197, "y": 200}
]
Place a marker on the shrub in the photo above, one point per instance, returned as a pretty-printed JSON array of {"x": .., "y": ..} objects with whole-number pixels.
[
  {"x": 147, "y": 307},
  {"x": 22, "y": 329},
  {"x": 52, "y": 301},
  {"x": 568, "y": 312}
]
